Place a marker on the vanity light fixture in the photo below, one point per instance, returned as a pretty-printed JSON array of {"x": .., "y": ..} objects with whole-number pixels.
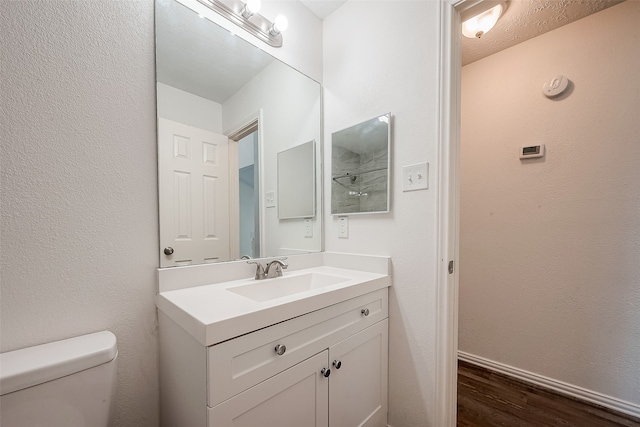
[
  {"x": 246, "y": 16},
  {"x": 482, "y": 23}
]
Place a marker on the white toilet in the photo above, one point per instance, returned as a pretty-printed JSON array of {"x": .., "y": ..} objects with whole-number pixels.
[{"x": 68, "y": 383}]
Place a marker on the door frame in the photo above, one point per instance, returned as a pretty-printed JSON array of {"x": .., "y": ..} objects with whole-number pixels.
[
  {"x": 448, "y": 201},
  {"x": 250, "y": 124}
]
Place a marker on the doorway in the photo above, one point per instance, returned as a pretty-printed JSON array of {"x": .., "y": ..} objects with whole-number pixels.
[
  {"x": 557, "y": 260},
  {"x": 248, "y": 194},
  {"x": 245, "y": 187}
]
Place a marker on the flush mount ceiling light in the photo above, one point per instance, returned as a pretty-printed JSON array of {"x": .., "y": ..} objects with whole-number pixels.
[
  {"x": 480, "y": 24},
  {"x": 246, "y": 16}
]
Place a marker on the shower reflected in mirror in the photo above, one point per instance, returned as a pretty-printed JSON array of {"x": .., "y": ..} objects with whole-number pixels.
[{"x": 360, "y": 159}]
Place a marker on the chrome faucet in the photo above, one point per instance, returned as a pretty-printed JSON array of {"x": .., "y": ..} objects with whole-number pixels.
[
  {"x": 279, "y": 265},
  {"x": 268, "y": 273}
]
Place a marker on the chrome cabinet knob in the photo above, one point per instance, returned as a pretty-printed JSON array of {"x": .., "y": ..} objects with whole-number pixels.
[
  {"x": 337, "y": 364},
  {"x": 365, "y": 311},
  {"x": 280, "y": 349},
  {"x": 325, "y": 372},
  {"x": 168, "y": 250}
]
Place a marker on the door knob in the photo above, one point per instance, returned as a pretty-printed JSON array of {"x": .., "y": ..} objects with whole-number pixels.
[
  {"x": 326, "y": 372},
  {"x": 337, "y": 364},
  {"x": 168, "y": 250}
]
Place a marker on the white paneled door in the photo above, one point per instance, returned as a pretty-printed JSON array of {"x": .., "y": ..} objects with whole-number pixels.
[{"x": 194, "y": 194}]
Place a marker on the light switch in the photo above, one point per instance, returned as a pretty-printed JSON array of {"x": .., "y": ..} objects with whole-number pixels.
[
  {"x": 308, "y": 228},
  {"x": 343, "y": 227},
  {"x": 270, "y": 197},
  {"x": 415, "y": 177}
]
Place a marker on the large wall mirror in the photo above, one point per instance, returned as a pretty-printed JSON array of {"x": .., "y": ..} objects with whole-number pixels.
[{"x": 225, "y": 110}]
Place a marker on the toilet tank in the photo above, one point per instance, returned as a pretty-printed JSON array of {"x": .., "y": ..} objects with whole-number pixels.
[{"x": 68, "y": 383}]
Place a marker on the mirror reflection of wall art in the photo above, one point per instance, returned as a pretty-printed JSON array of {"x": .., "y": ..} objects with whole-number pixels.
[
  {"x": 360, "y": 159},
  {"x": 297, "y": 182}
]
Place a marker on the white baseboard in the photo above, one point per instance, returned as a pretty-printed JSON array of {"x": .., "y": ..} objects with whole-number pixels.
[{"x": 555, "y": 385}]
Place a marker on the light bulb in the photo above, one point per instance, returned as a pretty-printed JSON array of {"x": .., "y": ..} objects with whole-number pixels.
[
  {"x": 280, "y": 24},
  {"x": 254, "y": 6},
  {"x": 251, "y": 7},
  {"x": 479, "y": 25}
]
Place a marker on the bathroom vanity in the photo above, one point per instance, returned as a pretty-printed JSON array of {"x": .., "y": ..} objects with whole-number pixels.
[{"x": 306, "y": 349}]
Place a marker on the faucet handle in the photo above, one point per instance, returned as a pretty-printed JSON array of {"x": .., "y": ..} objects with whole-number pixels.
[
  {"x": 278, "y": 272},
  {"x": 279, "y": 263},
  {"x": 259, "y": 270}
]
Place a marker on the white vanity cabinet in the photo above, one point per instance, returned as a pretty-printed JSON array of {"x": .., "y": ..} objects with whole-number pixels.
[{"x": 326, "y": 368}]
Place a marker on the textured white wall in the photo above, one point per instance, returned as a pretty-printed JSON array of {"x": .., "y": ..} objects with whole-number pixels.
[
  {"x": 79, "y": 198},
  {"x": 550, "y": 249},
  {"x": 380, "y": 56},
  {"x": 79, "y": 243}
]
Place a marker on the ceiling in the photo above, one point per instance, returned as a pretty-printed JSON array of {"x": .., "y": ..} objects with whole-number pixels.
[
  {"x": 523, "y": 20},
  {"x": 526, "y": 19},
  {"x": 322, "y": 8},
  {"x": 189, "y": 67}
]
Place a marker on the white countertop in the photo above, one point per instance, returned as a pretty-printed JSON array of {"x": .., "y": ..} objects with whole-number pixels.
[{"x": 212, "y": 313}]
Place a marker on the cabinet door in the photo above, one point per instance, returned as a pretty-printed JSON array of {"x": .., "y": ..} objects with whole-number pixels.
[
  {"x": 297, "y": 397},
  {"x": 358, "y": 388}
]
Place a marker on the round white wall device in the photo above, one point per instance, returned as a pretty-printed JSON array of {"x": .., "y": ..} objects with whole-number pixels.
[{"x": 555, "y": 87}]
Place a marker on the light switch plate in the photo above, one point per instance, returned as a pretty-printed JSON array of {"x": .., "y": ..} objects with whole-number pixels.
[
  {"x": 308, "y": 228},
  {"x": 415, "y": 177},
  {"x": 343, "y": 227},
  {"x": 270, "y": 197}
]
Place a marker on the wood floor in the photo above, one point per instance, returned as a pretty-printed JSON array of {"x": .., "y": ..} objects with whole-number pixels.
[{"x": 488, "y": 399}]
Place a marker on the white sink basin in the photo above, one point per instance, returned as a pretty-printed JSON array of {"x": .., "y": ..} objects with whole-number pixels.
[
  {"x": 265, "y": 290},
  {"x": 229, "y": 308}
]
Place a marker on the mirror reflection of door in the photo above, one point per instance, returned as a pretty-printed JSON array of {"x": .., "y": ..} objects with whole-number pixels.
[
  {"x": 248, "y": 173},
  {"x": 194, "y": 194}
]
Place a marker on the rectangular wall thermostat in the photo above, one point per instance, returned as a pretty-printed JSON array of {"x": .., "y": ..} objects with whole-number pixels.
[{"x": 532, "y": 151}]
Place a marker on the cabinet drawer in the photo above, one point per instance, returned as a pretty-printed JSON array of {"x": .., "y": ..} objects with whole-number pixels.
[{"x": 238, "y": 364}]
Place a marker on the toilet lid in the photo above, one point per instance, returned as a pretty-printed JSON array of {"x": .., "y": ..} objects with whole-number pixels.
[{"x": 31, "y": 366}]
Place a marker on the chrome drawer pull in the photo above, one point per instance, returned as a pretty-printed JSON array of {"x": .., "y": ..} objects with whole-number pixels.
[
  {"x": 280, "y": 349},
  {"x": 337, "y": 364},
  {"x": 325, "y": 372},
  {"x": 365, "y": 311}
]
